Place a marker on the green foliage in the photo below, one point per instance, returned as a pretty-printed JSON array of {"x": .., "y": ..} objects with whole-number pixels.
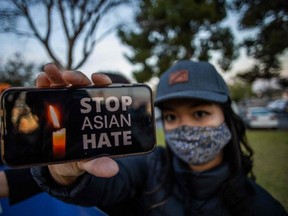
[
  {"x": 240, "y": 91},
  {"x": 170, "y": 30},
  {"x": 256, "y": 72},
  {"x": 17, "y": 72},
  {"x": 270, "y": 20}
]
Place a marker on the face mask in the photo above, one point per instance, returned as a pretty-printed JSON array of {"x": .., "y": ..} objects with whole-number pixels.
[{"x": 198, "y": 145}]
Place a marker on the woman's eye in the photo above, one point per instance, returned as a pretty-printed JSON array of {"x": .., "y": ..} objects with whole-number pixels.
[
  {"x": 169, "y": 117},
  {"x": 200, "y": 114}
]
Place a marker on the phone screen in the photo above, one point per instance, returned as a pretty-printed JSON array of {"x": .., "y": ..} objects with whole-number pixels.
[{"x": 44, "y": 126}]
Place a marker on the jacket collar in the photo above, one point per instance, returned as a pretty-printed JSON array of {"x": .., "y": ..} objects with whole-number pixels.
[{"x": 201, "y": 185}]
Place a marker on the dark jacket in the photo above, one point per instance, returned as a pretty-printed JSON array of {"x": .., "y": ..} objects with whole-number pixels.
[
  {"x": 132, "y": 190},
  {"x": 21, "y": 185}
]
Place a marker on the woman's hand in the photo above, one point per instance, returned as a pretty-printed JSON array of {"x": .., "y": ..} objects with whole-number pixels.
[{"x": 65, "y": 174}]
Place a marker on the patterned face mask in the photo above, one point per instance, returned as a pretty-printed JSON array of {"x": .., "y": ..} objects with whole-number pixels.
[{"x": 198, "y": 145}]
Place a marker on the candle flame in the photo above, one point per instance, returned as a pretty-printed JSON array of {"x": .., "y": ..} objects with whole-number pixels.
[{"x": 55, "y": 120}]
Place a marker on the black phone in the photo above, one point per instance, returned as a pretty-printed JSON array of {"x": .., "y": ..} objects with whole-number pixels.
[{"x": 55, "y": 125}]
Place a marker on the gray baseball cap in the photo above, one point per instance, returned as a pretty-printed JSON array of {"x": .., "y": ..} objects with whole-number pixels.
[{"x": 192, "y": 80}]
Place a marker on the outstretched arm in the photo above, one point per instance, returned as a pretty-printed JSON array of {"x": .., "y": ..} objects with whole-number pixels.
[{"x": 4, "y": 189}]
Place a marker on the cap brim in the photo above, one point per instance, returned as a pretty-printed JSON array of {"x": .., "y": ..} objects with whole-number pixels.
[{"x": 201, "y": 95}]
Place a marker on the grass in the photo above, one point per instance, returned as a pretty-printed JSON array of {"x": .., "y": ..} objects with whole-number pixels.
[{"x": 270, "y": 160}]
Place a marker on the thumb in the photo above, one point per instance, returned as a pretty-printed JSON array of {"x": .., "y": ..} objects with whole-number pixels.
[{"x": 100, "y": 167}]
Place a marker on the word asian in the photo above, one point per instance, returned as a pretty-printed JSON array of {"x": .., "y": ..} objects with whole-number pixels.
[{"x": 110, "y": 116}]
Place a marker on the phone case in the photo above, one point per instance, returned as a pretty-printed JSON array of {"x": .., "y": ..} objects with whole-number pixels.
[{"x": 56, "y": 125}]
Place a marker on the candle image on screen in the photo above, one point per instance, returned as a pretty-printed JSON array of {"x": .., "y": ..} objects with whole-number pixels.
[{"x": 58, "y": 136}]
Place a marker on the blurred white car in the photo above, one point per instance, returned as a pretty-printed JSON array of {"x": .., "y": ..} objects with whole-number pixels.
[
  {"x": 261, "y": 117},
  {"x": 280, "y": 105}
]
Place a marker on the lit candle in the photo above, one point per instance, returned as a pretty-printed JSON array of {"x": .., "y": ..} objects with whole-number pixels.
[{"x": 58, "y": 137}]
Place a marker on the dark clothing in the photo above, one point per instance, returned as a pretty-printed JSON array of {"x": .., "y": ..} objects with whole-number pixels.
[
  {"x": 130, "y": 192},
  {"x": 21, "y": 185}
]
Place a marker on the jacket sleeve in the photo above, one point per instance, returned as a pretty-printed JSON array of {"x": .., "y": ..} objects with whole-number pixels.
[
  {"x": 94, "y": 191},
  {"x": 266, "y": 205},
  {"x": 21, "y": 185}
]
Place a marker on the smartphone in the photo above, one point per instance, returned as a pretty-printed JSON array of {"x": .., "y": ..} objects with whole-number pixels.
[{"x": 54, "y": 125}]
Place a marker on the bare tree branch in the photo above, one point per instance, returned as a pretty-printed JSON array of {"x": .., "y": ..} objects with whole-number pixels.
[
  {"x": 90, "y": 38},
  {"x": 79, "y": 21},
  {"x": 49, "y": 20},
  {"x": 63, "y": 19}
]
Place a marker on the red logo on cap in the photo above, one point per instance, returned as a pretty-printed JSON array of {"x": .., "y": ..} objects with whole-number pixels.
[{"x": 178, "y": 77}]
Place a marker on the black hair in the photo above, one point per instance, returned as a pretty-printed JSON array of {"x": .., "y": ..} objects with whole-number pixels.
[
  {"x": 238, "y": 153},
  {"x": 236, "y": 193}
]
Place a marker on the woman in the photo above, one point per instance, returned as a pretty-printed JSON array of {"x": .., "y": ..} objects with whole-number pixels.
[{"x": 203, "y": 170}]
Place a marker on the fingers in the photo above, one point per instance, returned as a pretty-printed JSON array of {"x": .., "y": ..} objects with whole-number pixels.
[
  {"x": 101, "y": 79},
  {"x": 67, "y": 174},
  {"x": 100, "y": 167},
  {"x": 54, "y": 77},
  {"x": 42, "y": 80},
  {"x": 75, "y": 78},
  {"x": 51, "y": 77}
]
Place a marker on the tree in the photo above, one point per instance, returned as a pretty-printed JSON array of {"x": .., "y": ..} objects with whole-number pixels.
[
  {"x": 17, "y": 72},
  {"x": 170, "y": 30},
  {"x": 283, "y": 82},
  {"x": 270, "y": 20},
  {"x": 252, "y": 74},
  {"x": 79, "y": 20},
  {"x": 240, "y": 91}
]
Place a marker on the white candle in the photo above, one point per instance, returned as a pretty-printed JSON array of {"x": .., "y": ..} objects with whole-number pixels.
[
  {"x": 59, "y": 143},
  {"x": 58, "y": 137}
]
